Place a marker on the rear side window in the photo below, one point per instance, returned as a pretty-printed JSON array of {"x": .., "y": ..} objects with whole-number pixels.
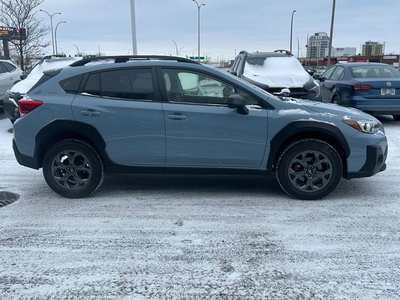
[
  {"x": 9, "y": 67},
  {"x": 122, "y": 84},
  {"x": 2, "y": 69},
  {"x": 71, "y": 85}
]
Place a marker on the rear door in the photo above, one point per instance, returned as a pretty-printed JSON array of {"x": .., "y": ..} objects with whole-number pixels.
[
  {"x": 123, "y": 105},
  {"x": 202, "y": 131}
]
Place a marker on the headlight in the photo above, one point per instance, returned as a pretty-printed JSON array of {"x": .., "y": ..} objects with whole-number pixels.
[{"x": 363, "y": 125}]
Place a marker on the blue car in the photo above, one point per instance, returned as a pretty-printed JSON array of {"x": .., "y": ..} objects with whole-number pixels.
[
  {"x": 371, "y": 87},
  {"x": 165, "y": 114}
]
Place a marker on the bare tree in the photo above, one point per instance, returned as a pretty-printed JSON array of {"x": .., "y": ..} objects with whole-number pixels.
[{"x": 23, "y": 14}]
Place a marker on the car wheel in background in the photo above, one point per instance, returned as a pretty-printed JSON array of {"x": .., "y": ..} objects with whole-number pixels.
[
  {"x": 396, "y": 117},
  {"x": 73, "y": 169},
  {"x": 335, "y": 99},
  {"x": 309, "y": 169}
]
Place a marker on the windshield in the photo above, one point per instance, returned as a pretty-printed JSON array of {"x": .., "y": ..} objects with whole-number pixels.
[{"x": 374, "y": 71}]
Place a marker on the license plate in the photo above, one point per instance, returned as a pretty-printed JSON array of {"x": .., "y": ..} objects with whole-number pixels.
[{"x": 390, "y": 92}]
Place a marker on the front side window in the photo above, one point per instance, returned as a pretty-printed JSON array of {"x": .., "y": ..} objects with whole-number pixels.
[
  {"x": 122, "y": 84},
  {"x": 338, "y": 74},
  {"x": 328, "y": 73},
  {"x": 197, "y": 88}
]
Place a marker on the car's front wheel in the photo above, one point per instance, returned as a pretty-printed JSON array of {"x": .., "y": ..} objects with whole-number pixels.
[
  {"x": 309, "y": 169},
  {"x": 73, "y": 169}
]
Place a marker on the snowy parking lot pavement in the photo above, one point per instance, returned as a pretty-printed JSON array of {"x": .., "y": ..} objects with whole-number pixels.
[{"x": 199, "y": 237}]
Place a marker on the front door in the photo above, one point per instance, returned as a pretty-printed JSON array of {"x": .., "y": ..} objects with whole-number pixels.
[{"x": 202, "y": 131}]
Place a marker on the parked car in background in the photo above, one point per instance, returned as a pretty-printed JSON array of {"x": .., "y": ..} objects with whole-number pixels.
[
  {"x": 19, "y": 90},
  {"x": 371, "y": 87},
  {"x": 9, "y": 75},
  {"x": 276, "y": 72},
  {"x": 170, "y": 114}
]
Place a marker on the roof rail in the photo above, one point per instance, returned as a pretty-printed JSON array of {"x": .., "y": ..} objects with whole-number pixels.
[
  {"x": 126, "y": 58},
  {"x": 284, "y": 51}
]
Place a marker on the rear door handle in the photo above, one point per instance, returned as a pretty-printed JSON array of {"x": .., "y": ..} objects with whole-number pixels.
[
  {"x": 90, "y": 113},
  {"x": 177, "y": 116}
]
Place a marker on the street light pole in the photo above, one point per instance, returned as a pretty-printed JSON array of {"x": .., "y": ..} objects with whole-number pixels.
[
  {"x": 133, "y": 21},
  {"x": 55, "y": 34},
  {"x": 51, "y": 25},
  {"x": 198, "y": 27},
  {"x": 291, "y": 30},
  {"x": 331, "y": 37}
]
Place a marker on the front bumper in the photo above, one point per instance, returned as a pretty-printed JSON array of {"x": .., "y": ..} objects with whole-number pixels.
[{"x": 375, "y": 162}]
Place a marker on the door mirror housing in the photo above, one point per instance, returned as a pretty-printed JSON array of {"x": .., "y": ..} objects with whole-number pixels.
[
  {"x": 237, "y": 101},
  {"x": 317, "y": 77},
  {"x": 23, "y": 76}
]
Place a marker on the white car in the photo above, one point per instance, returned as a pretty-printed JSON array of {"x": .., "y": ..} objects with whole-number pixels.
[
  {"x": 9, "y": 75},
  {"x": 19, "y": 90},
  {"x": 277, "y": 72}
]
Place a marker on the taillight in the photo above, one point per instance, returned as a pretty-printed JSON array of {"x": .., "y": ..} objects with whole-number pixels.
[
  {"x": 26, "y": 106},
  {"x": 362, "y": 87}
]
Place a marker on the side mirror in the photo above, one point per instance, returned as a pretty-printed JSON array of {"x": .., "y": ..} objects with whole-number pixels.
[
  {"x": 317, "y": 77},
  {"x": 233, "y": 73},
  {"x": 23, "y": 76},
  {"x": 237, "y": 101}
]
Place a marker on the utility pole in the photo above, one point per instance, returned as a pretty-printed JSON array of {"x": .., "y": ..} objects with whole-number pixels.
[
  {"x": 51, "y": 25},
  {"x": 331, "y": 34},
  {"x": 291, "y": 30},
  {"x": 133, "y": 21},
  {"x": 198, "y": 28}
]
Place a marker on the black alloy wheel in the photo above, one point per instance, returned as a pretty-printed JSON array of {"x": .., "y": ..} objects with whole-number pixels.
[
  {"x": 309, "y": 169},
  {"x": 73, "y": 169}
]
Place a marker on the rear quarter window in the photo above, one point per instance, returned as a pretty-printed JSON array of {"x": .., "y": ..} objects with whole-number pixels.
[
  {"x": 71, "y": 85},
  {"x": 9, "y": 67}
]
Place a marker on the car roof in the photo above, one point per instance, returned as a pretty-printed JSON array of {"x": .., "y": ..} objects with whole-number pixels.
[{"x": 349, "y": 65}]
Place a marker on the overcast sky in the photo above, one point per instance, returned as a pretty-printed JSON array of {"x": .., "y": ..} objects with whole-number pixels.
[{"x": 227, "y": 26}]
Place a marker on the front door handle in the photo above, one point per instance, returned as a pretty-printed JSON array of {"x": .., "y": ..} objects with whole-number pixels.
[
  {"x": 90, "y": 113},
  {"x": 177, "y": 116}
]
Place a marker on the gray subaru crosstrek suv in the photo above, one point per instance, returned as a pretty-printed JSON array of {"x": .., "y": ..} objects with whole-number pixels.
[{"x": 170, "y": 114}]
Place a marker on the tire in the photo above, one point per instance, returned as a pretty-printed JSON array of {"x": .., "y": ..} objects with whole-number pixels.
[
  {"x": 396, "y": 117},
  {"x": 335, "y": 100},
  {"x": 73, "y": 169},
  {"x": 301, "y": 176}
]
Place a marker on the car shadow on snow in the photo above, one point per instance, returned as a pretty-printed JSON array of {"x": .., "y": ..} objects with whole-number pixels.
[{"x": 221, "y": 184}]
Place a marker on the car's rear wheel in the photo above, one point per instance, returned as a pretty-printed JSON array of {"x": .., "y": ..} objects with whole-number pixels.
[
  {"x": 309, "y": 169},
  {"x": 396, "y": 117},
  {"x": 73, "y": 169}
]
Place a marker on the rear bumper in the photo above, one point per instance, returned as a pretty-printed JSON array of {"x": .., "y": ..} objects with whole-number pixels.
[
  {"x": 24, "y": 160},
  {"x": 375, "y": 162},
  {"x": 375, "y": 106}
]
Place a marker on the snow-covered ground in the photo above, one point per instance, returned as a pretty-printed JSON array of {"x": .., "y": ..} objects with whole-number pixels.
[{"x": 199, "y": 237}]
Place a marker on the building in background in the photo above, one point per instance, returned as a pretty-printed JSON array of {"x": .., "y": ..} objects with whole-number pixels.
[
  {"x": 340, "y": 52},
  {"x": 318, "y": 45},
  {"x": 373, "y": 48}
]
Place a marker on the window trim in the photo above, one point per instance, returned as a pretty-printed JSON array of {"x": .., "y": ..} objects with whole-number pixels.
[{"x": 262, "y": 103}]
